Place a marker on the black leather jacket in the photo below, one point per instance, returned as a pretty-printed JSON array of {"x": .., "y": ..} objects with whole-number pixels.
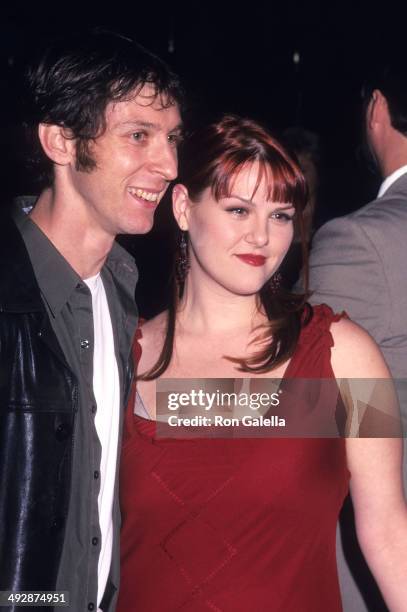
[{"x": 38, "y": 402}]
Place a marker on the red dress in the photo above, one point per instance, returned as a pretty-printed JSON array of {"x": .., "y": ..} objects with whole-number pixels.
[{"x": 231, "y": 525}]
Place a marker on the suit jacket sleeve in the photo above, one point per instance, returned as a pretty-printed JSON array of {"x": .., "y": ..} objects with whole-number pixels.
[{"x": 346, "y": 272}]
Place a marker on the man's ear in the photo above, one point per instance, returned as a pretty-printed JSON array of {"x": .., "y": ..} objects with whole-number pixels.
[
  {"x": 377, "y": 110},
  {"x": 57, "y": 144},
  {"x": 180, "y": 205}
]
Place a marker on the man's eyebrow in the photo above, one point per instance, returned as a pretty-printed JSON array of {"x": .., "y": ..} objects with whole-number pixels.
[
  {"x": 178, "y": 128},
  {"x": 135, "y": 123}
]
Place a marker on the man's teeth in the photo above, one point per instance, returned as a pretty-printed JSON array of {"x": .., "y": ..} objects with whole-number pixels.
[{"x": 145, "y": 195}]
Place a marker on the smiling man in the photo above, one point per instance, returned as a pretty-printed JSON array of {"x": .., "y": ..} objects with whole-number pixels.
[{"x": 104, "y": 114}]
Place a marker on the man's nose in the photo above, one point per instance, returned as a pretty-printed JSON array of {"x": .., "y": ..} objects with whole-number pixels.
[{"x": 165, "y": 161}]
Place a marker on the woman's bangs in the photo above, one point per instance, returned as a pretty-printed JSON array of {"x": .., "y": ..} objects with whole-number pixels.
[
  {"x": 226, "y": 173},
  {"x": 285, "y": 182}
]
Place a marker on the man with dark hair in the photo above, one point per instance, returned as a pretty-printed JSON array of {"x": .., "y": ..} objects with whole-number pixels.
[
  {"x": 358, "y": 264},
  {"x": 105, "y": 113}
]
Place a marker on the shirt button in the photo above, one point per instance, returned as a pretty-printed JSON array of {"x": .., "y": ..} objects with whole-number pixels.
[
  {"x": 95, "y": 541},
  {"x": 96, "y": 474},
  {"x": 58, "y": 523},
  {"x": 93, "y": 409},
  {"x": 63, "y": 431},
  {"x": 84, "y": 344},
  {"x": 91, "y": 606}
]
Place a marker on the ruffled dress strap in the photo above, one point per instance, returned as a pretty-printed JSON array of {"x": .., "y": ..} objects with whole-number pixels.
[{"x": 312, "y": 357}]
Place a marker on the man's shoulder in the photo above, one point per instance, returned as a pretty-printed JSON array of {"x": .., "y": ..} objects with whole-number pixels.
[
  {"x": 388, "y": 208},
  {"x": 11, "y": 243},
  {"x": 18, "y": 285},
  {"x": 388, "y": 213},
  {"x": 391, "y": 206}
]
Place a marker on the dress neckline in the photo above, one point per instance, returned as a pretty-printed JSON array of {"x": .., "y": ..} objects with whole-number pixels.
[{"x": 137, "y": 397}]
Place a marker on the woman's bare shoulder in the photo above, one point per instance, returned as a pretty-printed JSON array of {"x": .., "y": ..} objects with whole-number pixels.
[
  {"x": 154, "y": 327},
  {"x": 355, "y": 353},
  {"x": 151, "y": 340}
]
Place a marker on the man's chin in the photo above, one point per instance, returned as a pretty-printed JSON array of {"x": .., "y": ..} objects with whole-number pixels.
[
  {"x": 141, "y": 231},
  {"x": 141, "y": 225}
]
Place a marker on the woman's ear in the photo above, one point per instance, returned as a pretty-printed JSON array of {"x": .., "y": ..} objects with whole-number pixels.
[
  {"x": 180, "y": 205},
  {"x": 57, "y": 145}
]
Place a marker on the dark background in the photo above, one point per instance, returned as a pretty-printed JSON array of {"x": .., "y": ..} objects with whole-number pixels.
[{"x": 231, "y": 59}]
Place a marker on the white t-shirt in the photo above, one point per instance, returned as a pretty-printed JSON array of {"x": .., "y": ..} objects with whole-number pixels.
[{"x": 106, "y": 388}]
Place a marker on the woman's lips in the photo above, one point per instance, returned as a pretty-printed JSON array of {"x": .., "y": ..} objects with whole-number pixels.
[{"x": 252, "y": 259}]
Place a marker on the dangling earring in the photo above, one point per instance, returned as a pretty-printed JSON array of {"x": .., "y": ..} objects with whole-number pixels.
[
  {"x": 182, "y": 258},
  {"x": 275, "y": 282}
]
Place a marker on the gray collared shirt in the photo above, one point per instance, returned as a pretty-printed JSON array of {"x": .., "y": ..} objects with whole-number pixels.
[{"x": 68, "y": 303}]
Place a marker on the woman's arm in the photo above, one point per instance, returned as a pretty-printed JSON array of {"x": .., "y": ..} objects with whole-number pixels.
[{"x": 376, "y": 479}]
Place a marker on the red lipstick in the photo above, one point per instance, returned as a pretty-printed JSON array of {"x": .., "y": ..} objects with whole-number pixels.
[{"x": 252, "y": 259}]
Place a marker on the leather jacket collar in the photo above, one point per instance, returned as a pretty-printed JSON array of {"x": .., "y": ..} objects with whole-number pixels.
[{"x": 19, "y": 291}]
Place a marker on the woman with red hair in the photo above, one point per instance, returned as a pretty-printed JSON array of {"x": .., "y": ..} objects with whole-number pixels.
[{"x": 236, "y": 523}]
